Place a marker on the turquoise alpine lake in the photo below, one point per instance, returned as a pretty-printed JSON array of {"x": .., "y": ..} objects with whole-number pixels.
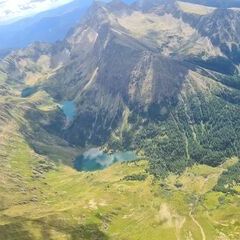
[
  {"x": 95, "y": 159},
  {"x": 69, "y": 109},
  {"x": 29, "y": 91}
]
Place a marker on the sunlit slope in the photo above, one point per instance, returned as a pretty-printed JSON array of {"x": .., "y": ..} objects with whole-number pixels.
[{"x": 121, "y": 202}]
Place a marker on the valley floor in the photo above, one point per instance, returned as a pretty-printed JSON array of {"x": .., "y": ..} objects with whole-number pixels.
[{"x": 121, "y": 202}]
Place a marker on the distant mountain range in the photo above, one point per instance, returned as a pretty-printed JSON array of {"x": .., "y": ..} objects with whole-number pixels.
[
  {"x": 216, "y": 3},
  {"x": 47, "y": 26},
  {"x": 53, "y": 25}
]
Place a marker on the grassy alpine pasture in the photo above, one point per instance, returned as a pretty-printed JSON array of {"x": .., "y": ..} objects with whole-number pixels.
[{"x": 65, "y": 204}]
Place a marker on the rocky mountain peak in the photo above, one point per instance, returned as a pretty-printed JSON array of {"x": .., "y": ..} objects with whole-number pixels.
[
  {"x": 147, "y": 5},
  {"x": 117, "y": 5}
]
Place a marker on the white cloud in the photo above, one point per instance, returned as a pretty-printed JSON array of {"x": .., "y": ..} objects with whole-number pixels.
[{"x": 11, "y": 10}]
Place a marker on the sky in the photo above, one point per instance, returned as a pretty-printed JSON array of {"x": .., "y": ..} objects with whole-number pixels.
[{"x": 11, "y": 10}]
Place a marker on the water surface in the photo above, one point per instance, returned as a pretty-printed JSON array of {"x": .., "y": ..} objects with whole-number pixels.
[
  {"x": 29, "y": 91},
  {"x": 95, "y": 159},
  {"x": 69, "y": 109}
]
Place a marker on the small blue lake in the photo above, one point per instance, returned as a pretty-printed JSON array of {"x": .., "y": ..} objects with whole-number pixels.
[
  {"x": 95, "y": 159},
  {"x": 29, "y": 91},
  {"x": 69, "y": 109}
]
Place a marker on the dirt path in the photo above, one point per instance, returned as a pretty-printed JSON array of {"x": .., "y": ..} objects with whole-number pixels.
[
  {"x": 191, "y": 215},
  {"x": 199, "y": 225}
]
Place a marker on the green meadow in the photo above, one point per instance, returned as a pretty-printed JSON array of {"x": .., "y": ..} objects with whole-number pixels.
[{"x": 121, "y": 202}]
